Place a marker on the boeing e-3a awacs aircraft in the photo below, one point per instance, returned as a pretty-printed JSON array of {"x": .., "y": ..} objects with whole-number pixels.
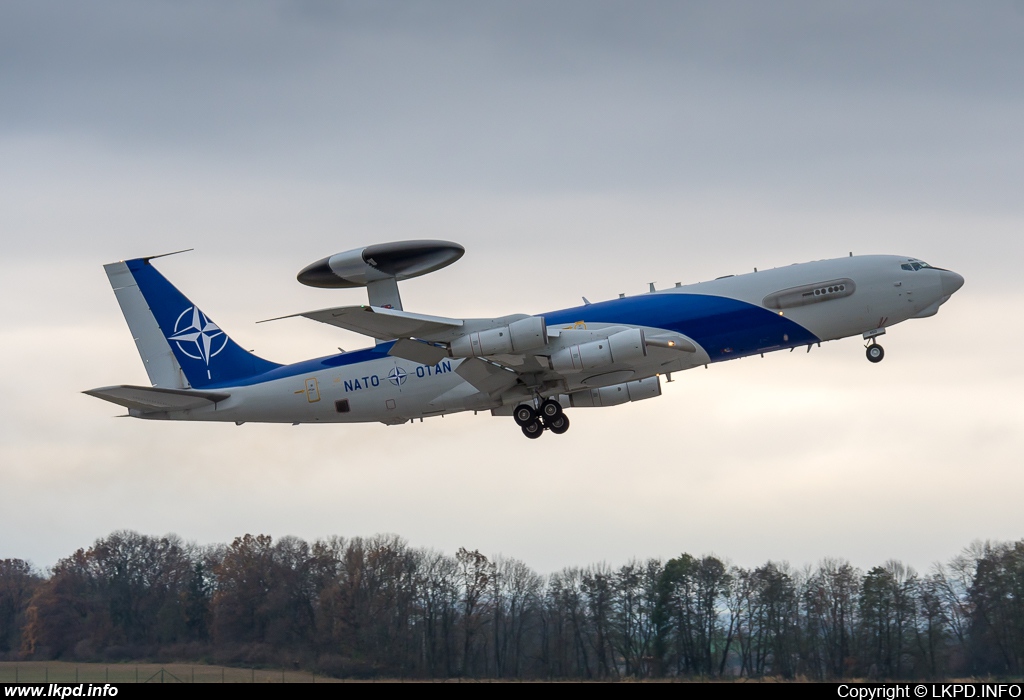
[{"x": 530, "y": 367}]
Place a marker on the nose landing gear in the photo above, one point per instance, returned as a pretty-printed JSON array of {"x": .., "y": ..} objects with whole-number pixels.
[
  {"x": 534, "y": 422},
  {"x": 875, "y": 352}
]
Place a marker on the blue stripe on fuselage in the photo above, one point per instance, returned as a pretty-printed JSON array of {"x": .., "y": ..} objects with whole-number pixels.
[
  {"x": 725, "y": 328},
  {"x": 377, "y": 352}
]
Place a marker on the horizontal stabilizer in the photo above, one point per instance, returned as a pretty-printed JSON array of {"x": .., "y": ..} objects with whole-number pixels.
[
  {"x": 380, "y": 323},
  {"x": 153, "y": 400}
]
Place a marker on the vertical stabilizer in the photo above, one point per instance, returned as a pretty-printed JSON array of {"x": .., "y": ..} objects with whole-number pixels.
[
  {"x": 179, "y": 344},
  {"x": 161, "y": 366}
]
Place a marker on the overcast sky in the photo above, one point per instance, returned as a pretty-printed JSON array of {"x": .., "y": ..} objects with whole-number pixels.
[{"x": 574, "y": 148}]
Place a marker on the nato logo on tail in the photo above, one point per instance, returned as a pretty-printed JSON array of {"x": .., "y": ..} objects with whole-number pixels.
[{"x": 197, "y": 336}]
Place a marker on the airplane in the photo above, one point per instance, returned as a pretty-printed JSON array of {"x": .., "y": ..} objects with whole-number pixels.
[{"x": 530, "y": 367}]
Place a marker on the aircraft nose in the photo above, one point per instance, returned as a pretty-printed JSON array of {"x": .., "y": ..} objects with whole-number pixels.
[{"x": 951, "y": 282}]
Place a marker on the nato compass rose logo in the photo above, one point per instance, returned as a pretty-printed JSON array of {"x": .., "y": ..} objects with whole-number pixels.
[
  {"x": 197, "y": 336},
  {"x": 397, "y": 376}
]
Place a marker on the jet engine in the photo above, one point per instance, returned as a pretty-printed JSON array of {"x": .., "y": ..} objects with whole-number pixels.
[
  {"x": 624, "y": 346},
  {"x": 519, "y": 336},
  {"x": 613, "y": 395}
]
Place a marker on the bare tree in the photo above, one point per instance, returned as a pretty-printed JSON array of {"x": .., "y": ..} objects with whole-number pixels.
[
  {"x": 474, "y": 573},
  {"x": 439, "y": 600},
  {"x": 515, "y": 590}
]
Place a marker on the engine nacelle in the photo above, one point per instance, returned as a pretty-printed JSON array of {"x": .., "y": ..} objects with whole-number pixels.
[
  {"x": 624, "y": 346},
  {"x": 519, "y": 336},
  {"x": 614, "y": 395}
]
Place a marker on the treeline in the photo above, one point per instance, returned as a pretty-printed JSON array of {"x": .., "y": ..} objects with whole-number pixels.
[{"x": 376, "y": 606}]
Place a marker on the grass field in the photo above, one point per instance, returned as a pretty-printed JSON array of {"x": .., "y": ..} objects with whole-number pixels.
[
  {"x": 68, "y": 672},
  {"x": 62, "y": 672}
]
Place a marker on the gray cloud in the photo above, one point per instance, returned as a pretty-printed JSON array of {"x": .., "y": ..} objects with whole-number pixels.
[{"x": 842, "y": 102}]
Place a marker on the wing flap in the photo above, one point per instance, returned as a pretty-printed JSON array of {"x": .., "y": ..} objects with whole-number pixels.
[
  {"x": 417, "y": 351},
  {"x": 148, "y": 399},
  {"x": 486, "y": 376}
]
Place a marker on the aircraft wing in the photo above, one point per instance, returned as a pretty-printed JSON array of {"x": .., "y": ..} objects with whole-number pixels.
[
  {"x": 516, "y": 353},
  {"x": 147, "y": 399},
  {"x": 380, "y": 323}
]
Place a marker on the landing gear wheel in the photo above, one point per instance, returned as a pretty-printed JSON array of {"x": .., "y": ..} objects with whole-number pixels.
[
  {"x": 875, "y": 353},
  {"x": 524, "y": 415},
  {"x": 550, "y": 408},
  {"x": 533, "y": 429},
  {"x": 559, "y": 424}
]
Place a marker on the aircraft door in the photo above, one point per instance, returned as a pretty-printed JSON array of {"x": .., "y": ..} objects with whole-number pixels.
[{"x": 312, "y": 390}]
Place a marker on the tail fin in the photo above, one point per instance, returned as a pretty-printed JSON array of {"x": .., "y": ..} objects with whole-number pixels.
[{"x": 180, "y": 345}]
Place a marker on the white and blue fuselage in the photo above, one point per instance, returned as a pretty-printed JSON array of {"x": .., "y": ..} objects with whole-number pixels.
[{"x": 699, "y": 324}]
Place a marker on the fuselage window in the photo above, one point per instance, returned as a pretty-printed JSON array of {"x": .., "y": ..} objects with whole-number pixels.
[
  {"x": 813, "y": 293},
  {"x": 830, "y": 290}
]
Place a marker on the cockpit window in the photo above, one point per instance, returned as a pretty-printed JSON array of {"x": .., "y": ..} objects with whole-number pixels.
[{"x": 914, "y": 266}]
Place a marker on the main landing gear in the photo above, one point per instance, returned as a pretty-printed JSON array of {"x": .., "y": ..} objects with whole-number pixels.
[{"x": 534, "y": 422}]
